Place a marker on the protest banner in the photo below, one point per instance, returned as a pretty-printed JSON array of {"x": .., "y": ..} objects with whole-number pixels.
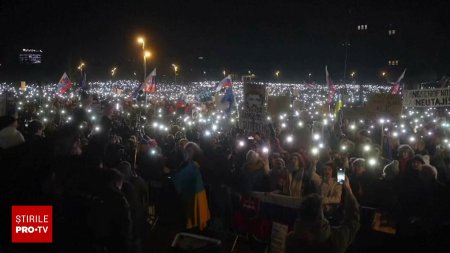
[
  {"x": 384, "y": 105},
  {"x": 278, "y": 237},
  {"x": 277, "y": 105},
  {"x": 426, "y": 98},
  {"x": 253, "y": 115}
]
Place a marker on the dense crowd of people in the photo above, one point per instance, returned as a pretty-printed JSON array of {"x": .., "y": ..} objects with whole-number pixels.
[{"x": 111, "y": 178}]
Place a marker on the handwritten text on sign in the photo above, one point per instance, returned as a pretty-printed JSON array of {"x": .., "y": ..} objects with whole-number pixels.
[{"x": 426, "y": 98}]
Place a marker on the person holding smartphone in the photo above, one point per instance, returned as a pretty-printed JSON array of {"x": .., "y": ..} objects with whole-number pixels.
[
  {"x": 331, "y": 186},
  {"x": 312, "y": 231},
  {"x": 331, "y": 192}
]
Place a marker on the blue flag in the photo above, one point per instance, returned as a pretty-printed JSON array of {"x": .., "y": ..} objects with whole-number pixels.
[{"x": 230, "y": 98}]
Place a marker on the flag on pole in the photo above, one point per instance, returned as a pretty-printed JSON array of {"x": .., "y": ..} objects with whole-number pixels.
[
  {"x": 230, "y": 98},
  {"x": 225, "y": 83},
  {"x": 339, "y": 105},
  {"x": 83, "y": 84},
  {"x": 64, "y": 84},
  {"x": 395, "y": 89},
  {"x": 331, "y": 86},
  {"x": 150, "y": 82},
  {"x": 147, "y": 82}
]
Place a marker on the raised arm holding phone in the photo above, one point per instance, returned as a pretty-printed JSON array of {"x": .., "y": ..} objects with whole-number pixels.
[{"x": 313, "y": 233}]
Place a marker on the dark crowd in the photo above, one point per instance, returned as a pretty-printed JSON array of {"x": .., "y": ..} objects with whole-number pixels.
[{"x": 111, "y": 184}]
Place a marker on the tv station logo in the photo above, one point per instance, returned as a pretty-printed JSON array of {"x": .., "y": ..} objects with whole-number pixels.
[{"x": 31, "y": 224}]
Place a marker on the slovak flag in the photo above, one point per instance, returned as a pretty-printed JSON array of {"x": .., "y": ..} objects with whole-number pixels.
[
  {"x": 230, "y": 98},
  {"x": 150, "y": 82},
  {"x": 225, "y": 83},
  {"x": 395, "y": 89},
  {"x": 64, "y": 84},
  {"x": 331, "y": 86}
]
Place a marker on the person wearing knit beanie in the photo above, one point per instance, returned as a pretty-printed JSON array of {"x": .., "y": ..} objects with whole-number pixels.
[{"x": 391, "y": 170}]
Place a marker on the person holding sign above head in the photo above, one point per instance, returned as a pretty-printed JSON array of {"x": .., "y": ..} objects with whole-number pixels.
[{"x": 313, "y": 233}]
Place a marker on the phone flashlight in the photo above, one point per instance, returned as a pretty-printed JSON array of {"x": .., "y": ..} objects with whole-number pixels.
[{"x": 340, "y": 176}]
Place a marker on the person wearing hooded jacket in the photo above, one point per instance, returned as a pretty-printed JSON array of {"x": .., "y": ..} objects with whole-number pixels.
[{"x": 313, "y": 233}]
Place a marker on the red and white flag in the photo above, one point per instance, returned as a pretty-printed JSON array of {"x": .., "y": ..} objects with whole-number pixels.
[
  {"x": 150, "y": 82},
  {"x": 64, "y": 84},
  {"x": 225, "y": 83},
  {"x": 331, "y": 86},
  {"x": 395, "y": 89}
]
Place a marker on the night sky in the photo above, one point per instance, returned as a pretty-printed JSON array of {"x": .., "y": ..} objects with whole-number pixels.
[{"x": 262, "y": 36}]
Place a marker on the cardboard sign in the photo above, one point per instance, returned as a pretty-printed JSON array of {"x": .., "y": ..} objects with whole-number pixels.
[
  {"x": 278, "y": 237},
  {"x": 23, "y": 86},
  {"x": 426, "y": 98},
  {"x": 278, "y": 105},
  {"x": 384, "y": 105},
  {"x": 253, "y": 117}
]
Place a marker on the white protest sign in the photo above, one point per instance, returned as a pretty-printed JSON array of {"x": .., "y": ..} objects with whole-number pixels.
[{"x": 426, "y": 98}]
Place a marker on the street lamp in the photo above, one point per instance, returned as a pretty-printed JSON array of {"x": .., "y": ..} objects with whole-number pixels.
[
  {"x": 353, "y": 74},
  {"x": 113, "y": 71},
  {"x": 175, "y": 70},
  {"x": 346, "y": 45},
  {"x": 224, "y": 72},
  {"x": 277, "y": 74},
  {"x": 80, "y": 67},
  {"x": 383, "y": 73},
  {"x": 141, "y": 40}
]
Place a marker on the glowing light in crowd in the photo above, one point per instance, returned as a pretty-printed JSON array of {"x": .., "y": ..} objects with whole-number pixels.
[
  {"x": 289, "y": 138},
  {"x": 42, "y": 98},
  {"x": 316, "y": 137}
]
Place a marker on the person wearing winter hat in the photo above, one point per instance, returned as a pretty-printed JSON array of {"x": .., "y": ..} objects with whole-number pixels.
[
  {"x": 330, "y": 189},
  {"x": 418, "y": 161},
  {"x": 303, "y": 180},
  {"x": 405, "y": 154},
  {"x": 391, "y": 170},
  {"x": 363, "y": 182},
  {"x": 255, "y": 177},
  {"x": 278, "y": 175},
  {"x": 296, "y": 169}
]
